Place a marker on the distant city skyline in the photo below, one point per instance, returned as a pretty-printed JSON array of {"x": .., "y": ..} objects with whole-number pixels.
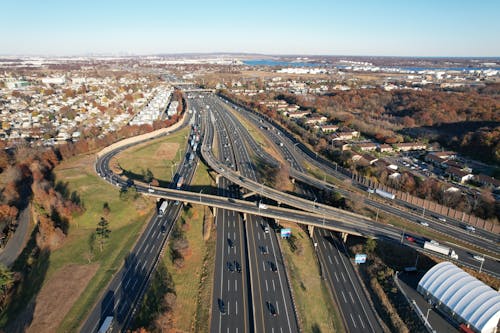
[{"x": 365, "y": 28}]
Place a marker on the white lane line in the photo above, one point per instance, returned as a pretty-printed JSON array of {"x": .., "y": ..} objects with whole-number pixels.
[
  {"x": 352, "y": 318},
  {"x": 336, "y": 276},
  {"x": 236, "y": 312},
  {"x": 343, "y": 277},
  {"x": 352, "y": 299},
  {"x": 274, "y": 287},
  {"x": 361, "y": 321},
  {"x": 277, "y": 307},
  {"x": 336, "y": 260},
  {"x": 235, "y": 285},
  {"x": 343, "y": 296},
  {"x": 258, "y": 235},
  {"x": 330, "y": 260},
  {"x": 228, "y": 285},
  {"x": 263, "y": 266},
  {"x": 267, "y": 287}
]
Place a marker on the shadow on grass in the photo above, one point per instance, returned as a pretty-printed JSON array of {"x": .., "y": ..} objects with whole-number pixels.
[{"x": 32, "y": 264}]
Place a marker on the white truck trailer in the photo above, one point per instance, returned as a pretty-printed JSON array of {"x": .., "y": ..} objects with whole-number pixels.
[{"x": 445, "y": 250}]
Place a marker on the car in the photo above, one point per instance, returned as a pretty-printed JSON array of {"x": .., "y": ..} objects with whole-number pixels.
[
  {"x": 230, "y": 242},
  {"x": 470, "y": 228},
  {"x": 266, "y": 229},
  {"x": 425, "y": 224},
  {"x": 273, "y": 266},
  {"x": 271, "y": 308},
  {"x": 151, "y": 190},
  {"x": 263, "y": 250},
  {"x": 176, "y": 202},
  {"x": 230, "y": 267},
  {"x": 478, "y": 257},
  {"x": 163, "y": 229},
  {"x": 222, "y": 307},
  {"x": 237, "y": 266},
  {"x": 410, "y": 238},
  {"x": 442, "y": 219}
]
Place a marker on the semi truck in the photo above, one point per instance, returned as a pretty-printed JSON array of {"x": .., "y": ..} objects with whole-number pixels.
[
  {"x": 163, "y": 208},
  {"x": 385, "y": 194},
  {"x": 180, "y": 182},
  {"x": 445, "y": 250}
]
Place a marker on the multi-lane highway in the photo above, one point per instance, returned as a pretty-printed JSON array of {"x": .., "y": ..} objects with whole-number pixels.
[{"x": 271, "y": 307}]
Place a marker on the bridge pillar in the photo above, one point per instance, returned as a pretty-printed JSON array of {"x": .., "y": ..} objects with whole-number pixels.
[
  {"x": 244, "y": 217},
  {"x": 185, "y": 203},
  {"x": 310, "y": 229},
  {"x": 217, "y": 177},
  {"x": 214, "y": 211},
  {"x": 344, "y": 236}
]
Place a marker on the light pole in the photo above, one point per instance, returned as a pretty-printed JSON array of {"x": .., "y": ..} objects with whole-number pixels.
[
  {"x": 427, "y": 315},
  {"x": 200, "y": 194},
  {"x": 402, "y": 235},
  {"x": 481, "y": 266}
]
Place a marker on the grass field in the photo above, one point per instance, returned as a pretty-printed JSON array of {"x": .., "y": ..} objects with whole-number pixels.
[
  {"x": 125, "y": 222},
  {"x": 158, "y": 155},
  {"x": 316, "y": 309}
]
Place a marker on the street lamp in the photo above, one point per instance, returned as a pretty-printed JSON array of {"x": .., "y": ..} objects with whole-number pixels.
[
  {"x": 200, "y": 194},
  {"x": 402, "y": 235},
  {"x": 427, "y": 315},
  {"x": 481, "y": 266}
]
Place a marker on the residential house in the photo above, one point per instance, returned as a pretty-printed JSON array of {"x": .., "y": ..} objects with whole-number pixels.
[
  {"x": 407, "y": 146},
  {"x": 316, "y": 120},
  {"x": 487, "y": 181},
  {"x": 385, "y": 148},
  {"x": 328, "y": 128},
  {"x": 365, "y": 146},
  {"x": 298, "y": 114},
  {"x": 459, "y": 175}
]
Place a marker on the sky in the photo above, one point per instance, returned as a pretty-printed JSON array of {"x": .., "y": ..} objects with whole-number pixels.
[{"x": 314, "y": 27}]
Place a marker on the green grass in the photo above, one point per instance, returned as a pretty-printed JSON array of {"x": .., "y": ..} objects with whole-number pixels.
[
  {"x": 137, "y": 159},
  {"x": 315, "y": 307},
  {"x": 125, "y": 222}
]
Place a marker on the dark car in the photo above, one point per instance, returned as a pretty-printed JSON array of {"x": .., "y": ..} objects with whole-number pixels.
[
  {"x": 263, "y": 250},
  {"x": 222, "y": 307},
  {"x": 163, "y": 229},
  {"x": 230, "y": 242},
  {"x": 271, "y": 309},
  {"x": 237, "y": 266},
  {"x": 273, "y": 267},
  {"x": 230, "y": 266}
]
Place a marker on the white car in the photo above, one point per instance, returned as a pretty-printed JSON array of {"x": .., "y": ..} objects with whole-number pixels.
[
  {"x": 425, "y": 224},
  {"x": 478, "y": 257},
  {"x": 442, "y": 219}
]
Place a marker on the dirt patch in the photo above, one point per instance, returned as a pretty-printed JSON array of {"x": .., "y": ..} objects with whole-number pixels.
[
  {"x": 167, "y": 151},
  {"x": 58, "y": 295}
]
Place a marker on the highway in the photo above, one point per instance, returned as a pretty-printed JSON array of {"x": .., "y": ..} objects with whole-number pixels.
[
  {"x": 355, "y": 308},
  {"x": 271, "y": 308},
  {"x": 120, "y": 297}
]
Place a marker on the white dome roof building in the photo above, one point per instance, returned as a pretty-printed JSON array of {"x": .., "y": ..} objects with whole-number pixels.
[{"x": 464, "y": 297}]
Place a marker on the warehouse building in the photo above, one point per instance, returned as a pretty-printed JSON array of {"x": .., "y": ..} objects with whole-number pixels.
[{"x": 466, "y": 299}]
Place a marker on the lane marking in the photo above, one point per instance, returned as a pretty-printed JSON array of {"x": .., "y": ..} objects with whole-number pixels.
[
  {"x": 343, "y": 296},
  {"x": 352, "y": 318}
]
